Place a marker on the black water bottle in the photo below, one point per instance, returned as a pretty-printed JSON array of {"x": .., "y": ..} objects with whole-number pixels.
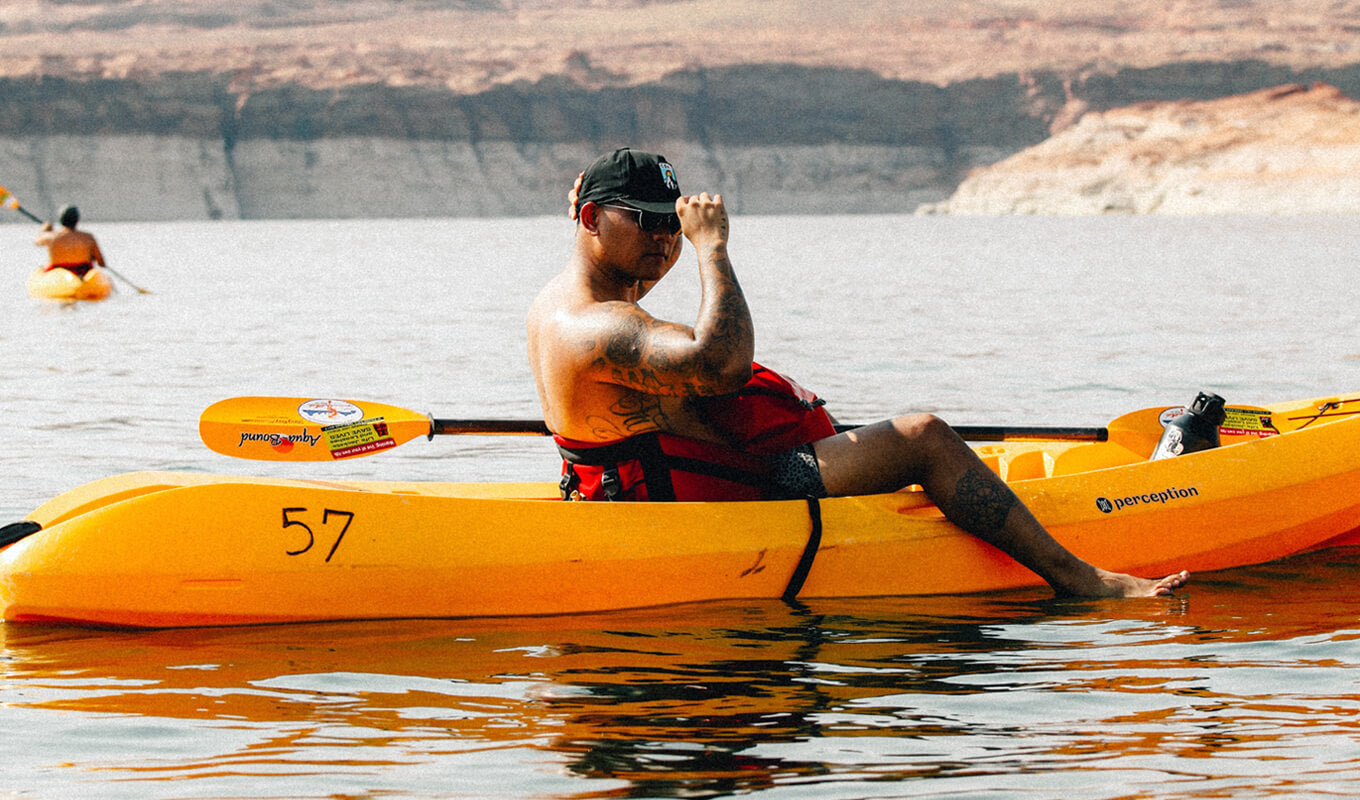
[{"x": 1196, "y": 429}]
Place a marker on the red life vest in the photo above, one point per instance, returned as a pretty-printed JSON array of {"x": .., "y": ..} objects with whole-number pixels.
[{"x": 769, "y": 415}]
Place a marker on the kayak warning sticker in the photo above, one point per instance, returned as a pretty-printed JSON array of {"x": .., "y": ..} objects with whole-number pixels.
[
  {"x": 1248, "y": 422},
  {"x": 357, "y": 438},
  {"x": 1236, "y": 421}
]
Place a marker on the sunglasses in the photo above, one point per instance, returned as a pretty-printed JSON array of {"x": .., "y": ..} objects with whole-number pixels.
[{"x": 651, "y": 221}]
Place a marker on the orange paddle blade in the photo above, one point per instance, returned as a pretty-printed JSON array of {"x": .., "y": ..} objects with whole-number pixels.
[{"x": 300, "y": 429}]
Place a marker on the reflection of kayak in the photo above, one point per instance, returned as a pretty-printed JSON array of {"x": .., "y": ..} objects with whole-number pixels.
[
  {"x": 172, "y": 549},
  {"x": 62, "y": 284}
]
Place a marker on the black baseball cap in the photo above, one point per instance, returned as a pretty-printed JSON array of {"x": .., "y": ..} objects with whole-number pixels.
[{"x": 642, "y": 180}]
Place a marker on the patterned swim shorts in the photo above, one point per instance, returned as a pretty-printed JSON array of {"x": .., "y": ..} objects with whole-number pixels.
[{"x": 796, "y": 474}]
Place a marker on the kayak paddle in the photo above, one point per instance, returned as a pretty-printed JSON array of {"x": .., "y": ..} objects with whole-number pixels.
[
  {"x": 10, "y": 201},
  {"x": 298, "y": 429}
]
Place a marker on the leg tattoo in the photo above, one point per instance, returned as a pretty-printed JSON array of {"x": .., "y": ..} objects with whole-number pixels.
[{"x": 981, "y": 504}]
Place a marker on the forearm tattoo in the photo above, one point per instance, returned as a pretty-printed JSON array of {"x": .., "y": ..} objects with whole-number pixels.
[
  {"x": 980, "y": 504},
  {"x": 732, "y": 324}
]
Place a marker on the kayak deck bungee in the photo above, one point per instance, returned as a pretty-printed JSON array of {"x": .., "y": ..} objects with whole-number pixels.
[
  {"x": 158, "y": 549},
  {"x": 62, "y": 284}
]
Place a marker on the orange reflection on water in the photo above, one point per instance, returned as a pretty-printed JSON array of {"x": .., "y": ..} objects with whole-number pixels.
[{"x": 963, "y": 693}]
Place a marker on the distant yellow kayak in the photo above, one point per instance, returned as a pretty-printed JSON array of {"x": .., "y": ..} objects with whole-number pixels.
[
  {"x": 162, "y": 549},
  {"x": 62, "y": 284}
]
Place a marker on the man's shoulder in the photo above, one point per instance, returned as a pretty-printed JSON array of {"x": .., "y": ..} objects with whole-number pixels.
[
  {"x": 560, "y": 302},
  {"x": 591, "y": 322}
]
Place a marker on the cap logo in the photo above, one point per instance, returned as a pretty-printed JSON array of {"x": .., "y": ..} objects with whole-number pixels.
[{"x": 668, "y": 177}]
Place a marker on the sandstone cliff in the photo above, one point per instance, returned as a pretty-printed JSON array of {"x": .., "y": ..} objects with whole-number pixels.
[
  {"x": 1285, "y": 150},
  {"x": 172, "y": 109}
]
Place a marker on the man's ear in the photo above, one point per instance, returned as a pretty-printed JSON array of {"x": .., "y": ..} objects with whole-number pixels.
[{"x": 589, "y": 216}]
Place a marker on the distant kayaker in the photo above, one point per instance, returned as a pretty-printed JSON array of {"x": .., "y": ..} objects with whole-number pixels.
[
  {"x": 68, "y": 248},
  {"x": 647, "y": 408}
]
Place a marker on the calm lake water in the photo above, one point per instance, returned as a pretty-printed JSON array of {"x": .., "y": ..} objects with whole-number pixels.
[{"x": 1247, "y": 685}]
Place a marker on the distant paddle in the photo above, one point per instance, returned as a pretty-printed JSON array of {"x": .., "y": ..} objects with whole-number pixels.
[
  {"x": 10, "y": 201},
  {"x": 119, "y": 276},
  {"x": 302, "y": 429}
]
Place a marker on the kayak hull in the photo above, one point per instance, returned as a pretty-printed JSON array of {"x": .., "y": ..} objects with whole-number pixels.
[
  {"x": 62, "y": 284},
  {"x": 152, "y": 549}
]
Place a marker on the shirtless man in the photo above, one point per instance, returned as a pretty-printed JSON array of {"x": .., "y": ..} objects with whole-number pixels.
[
  {"x": 69, "y": 248},
  {"x": 606, "y": 369}
]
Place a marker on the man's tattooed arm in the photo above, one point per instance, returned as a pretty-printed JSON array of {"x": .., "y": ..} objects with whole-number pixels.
[{"x": 659, "y": 357}]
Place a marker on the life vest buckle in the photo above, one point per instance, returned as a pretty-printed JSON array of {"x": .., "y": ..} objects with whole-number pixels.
[
  {"x": 567, "y": 486},
  {"x": 611, "y": 483}
]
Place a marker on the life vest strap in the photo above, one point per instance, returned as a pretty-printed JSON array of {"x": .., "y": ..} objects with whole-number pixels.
[
  {"x": 645, "y": 449},
  {"x": 650, "y": 453},
  {"x": 810, "y": 549}
]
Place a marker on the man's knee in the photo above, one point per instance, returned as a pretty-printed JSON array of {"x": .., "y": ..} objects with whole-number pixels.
[{"x": 923, "y": 428}]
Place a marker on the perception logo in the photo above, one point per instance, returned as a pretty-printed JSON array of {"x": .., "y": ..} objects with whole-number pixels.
[{"x": 1108, "y": 506}]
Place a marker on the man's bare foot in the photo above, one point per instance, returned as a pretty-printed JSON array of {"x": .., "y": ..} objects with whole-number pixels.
[{"x": 1117, "y": 584}]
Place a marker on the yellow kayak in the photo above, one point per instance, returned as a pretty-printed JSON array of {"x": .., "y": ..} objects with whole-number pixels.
[
  {"x": 158, "y": 549},
  {"x": 62, "y": 284}
]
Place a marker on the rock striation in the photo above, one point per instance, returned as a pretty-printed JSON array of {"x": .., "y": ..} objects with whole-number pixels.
[
  {"x": 1291, "y": 149},
  {"x": 772, "y": 139}
]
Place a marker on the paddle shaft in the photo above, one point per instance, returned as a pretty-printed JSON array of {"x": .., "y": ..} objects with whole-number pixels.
[
  {"x": 26, "y": 213},
  {"x": 120, "y": 276},
  {"x": 972, "y": 433}
]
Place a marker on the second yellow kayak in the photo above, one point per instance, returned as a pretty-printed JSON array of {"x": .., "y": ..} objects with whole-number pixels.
[{"x": 62, "y": 284}]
